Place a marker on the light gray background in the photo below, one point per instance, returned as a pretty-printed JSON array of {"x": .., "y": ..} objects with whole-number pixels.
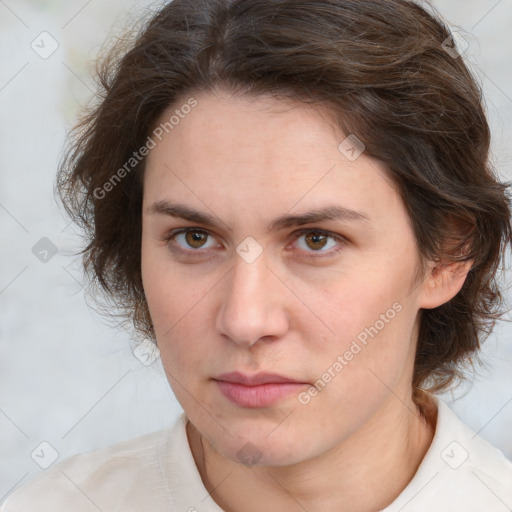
[{"x": 67, "y": 378}]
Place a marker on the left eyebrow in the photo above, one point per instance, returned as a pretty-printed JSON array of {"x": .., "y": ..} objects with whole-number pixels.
[{"x": 331, "y": 212}]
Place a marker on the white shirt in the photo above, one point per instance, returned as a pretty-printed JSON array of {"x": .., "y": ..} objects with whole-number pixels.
[{"x": 156, "y": 473}]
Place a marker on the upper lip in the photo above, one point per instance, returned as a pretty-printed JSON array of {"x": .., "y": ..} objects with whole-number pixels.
[{"x": 254, "y": 380}]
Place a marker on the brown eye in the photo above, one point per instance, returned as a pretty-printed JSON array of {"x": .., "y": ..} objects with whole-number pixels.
[
  {"x": 190, "y": 241},
  {"x": 319, "y": 243},
  {"x": 316, "y": 241},
  {"x": 196, "y": 239}
]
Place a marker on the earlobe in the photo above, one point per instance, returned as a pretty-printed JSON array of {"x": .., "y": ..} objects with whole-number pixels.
[{"x": 443, "y": 282}]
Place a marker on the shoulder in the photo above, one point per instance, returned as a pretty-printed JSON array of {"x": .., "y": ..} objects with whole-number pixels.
[
  {"x": 460, "y": 472},
  {"x": 100, "y": 479},
  {"x": 478, "y": 463}
]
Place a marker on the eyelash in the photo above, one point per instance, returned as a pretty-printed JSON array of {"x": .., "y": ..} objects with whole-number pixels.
[{"x": 169, "y": 239}]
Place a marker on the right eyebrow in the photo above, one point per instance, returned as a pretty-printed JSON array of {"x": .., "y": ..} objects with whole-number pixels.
[{"x": 331, "y": 212}]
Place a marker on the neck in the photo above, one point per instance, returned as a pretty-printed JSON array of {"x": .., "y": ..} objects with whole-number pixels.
[{"x": 366, "y": 472}]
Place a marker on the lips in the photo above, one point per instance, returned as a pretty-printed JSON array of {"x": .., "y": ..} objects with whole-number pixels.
[
  {"x": 256, "y": 391},
  {"x": 255, "y": 380}
]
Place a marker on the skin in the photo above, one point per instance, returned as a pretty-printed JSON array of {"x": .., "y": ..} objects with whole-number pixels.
[{"x": 291, "y": 311}]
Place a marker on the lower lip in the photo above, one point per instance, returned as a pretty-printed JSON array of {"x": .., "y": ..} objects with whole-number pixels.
[{"x": 258, "y": 396}]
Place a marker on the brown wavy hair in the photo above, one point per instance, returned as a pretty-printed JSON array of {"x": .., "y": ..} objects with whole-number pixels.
[{"x": 383, "y": 70}]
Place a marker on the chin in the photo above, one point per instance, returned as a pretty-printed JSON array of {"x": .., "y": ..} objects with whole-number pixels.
[
  {"x": 262, "y": 444},
  {"x": 258, "y": 453}
]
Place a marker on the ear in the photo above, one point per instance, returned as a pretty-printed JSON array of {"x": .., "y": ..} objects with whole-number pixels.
[{"x": 442, "y": 283}]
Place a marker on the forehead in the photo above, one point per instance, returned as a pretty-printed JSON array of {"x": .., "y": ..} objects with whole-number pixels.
[
  {"x": 256, "y": 129},
  {"x": 261, "y": 151}
]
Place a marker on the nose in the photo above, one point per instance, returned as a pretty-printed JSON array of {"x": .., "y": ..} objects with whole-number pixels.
[{"x": 253, "y": 304}]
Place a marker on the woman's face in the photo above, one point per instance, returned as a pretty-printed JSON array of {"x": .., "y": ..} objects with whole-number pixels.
[{"x": 260, "y": 284}]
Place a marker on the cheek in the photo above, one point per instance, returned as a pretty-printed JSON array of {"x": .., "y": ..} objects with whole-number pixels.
[
  {"x": 169, "y": 292},
  {"x": 372, "y": 323},
  {"x": 363, "y": 301},
  {"x": 156, "y": 291},
  {"x": 162, "y": 291},
  {"x": 176, "y": 304}
]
